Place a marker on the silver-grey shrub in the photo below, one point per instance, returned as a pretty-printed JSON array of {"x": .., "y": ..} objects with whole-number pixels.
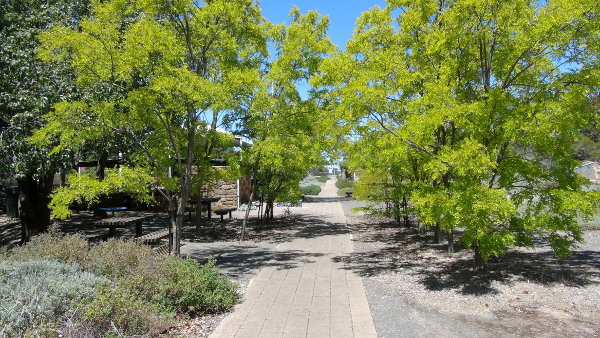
[{"x": 39, "y": 294}]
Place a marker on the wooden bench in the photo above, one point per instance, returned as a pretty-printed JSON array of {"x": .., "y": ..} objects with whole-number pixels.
[
  {"x": 222, "y": 212},
  {"x": 153, "y": 237},
  {"x": 349, "y": 194}
]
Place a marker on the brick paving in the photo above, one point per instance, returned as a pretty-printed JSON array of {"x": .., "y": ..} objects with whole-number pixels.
[{"x": 313, "y": 296}]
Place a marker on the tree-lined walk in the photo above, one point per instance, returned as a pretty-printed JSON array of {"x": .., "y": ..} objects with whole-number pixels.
[
  {"x": 313, "y": 295},
  {"x": 465, "y": 121}
]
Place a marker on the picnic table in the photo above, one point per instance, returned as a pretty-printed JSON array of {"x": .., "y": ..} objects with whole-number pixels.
[
  {"x": 204, "y": 201},
  {"x": 113, "y": 209},
  {"x": 122, "y": 222}
]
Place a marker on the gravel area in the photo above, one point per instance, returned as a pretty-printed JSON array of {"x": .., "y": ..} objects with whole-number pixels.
[
  {"x": 197, "y": 327},
  {"x": 416, "y": 289}
]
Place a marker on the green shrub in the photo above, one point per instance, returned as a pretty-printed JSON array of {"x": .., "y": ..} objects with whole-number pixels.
[
  {"x": 53, "y": 246},
  {"x": 323, "y": 178},
  {"x": 36, "y": 294},
  {"x": 117, "y": 258},
  {"x": 310, "y": 190},
  {"x": 181, "y": 285},
  {"x": 172, "y": 283},
  {"x": 119, "y": 312},
  {"x": 168, "y": 283},
  {"x": 344, "y": 183},
  {"x": 195, "y": 289}
]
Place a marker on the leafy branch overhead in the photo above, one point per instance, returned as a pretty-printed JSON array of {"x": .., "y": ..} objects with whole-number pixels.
[{"x": 86, "y": 189}]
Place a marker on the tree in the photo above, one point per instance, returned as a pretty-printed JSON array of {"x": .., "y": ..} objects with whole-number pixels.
[
  {"x": 158, "y": 72},
  {"x": 283, "y": 125},
  {"x": 489, "y": 97},
  {"x": 28, "y": 90}
]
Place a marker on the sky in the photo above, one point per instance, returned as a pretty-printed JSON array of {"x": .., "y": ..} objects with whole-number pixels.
[{"x": 342, "y": 14}]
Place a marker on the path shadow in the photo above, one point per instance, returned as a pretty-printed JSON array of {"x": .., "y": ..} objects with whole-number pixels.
[
  {"x": 390, "y": 248},
  {"x": 239, "y": 260},
  {"x": 311, "y": 227}
]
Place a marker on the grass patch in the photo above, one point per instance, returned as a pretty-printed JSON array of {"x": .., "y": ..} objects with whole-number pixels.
[
  {"x": 342, "y": 191},
  {"x": 313, "y": 180},
  {"x": 344, "y": 183}
]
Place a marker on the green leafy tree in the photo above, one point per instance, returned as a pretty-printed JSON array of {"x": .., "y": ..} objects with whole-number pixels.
[
  {"x": 159, "y": 73},
  {"x": 28, "y": 90},
  {"x": 489, "y": 97},
  {"x": 282, "y": 124}
]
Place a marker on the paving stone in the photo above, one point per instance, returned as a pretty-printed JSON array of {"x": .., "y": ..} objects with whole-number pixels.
[{"x": 314, "y": 297}]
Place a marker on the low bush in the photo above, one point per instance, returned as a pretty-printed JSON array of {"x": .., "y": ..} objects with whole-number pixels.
[
  {"x": 36, "y": 295},
  {"x": 119, "y": 312},
  {"x": 173, "y": 284},
  {"x": 53, "y": 246},
  {"x": 344, "y": 183},
  {"x": 143, "y": 291},
  {"x": 116, "y": 259},
  {"x": 310, "y": 190},
  {"x": 186, "y": 286},
  {"x": 323, "y": 178}
]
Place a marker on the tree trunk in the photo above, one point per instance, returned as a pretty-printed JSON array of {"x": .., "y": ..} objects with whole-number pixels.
[
  {"x": 100, "y": 168},
  {"x": 438, "y": 233},
  {"x": 34, "y": 197},
  {"x": 451, "y": 241},
  {"x": 247, "y": 215},
  {"x": 269, "y": 211},
  {"x": 198, "y": 209},
  {"x": 172, "y": 223},
  {"x": 179, "y": 224},
  {"x": 405, "y": 211},
  {"x": 479, "y": 262},
  {"x": 186, "y": 182}
]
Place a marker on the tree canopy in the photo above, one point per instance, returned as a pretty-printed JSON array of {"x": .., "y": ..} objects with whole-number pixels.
[
  {"x": 478, "y": 104},
  {"x": 158, "y": 73},
  {"x": 28, "y": 90}
]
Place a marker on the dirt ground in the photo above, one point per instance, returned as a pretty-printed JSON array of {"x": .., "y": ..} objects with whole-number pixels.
[{"x": 527, "y": 292}]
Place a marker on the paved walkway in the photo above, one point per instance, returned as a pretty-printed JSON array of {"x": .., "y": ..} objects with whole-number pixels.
[
  {"x": 313, "y": 295},
  {"x": 329, "y": 189}
]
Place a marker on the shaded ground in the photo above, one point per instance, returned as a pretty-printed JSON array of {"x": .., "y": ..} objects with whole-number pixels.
[
  {"x": 526, "y": 292},
  {"x": 242, "y": 261},
  {"x": 10, "y": 230}
]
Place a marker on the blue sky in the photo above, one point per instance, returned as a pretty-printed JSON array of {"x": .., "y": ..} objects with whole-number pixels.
[{"x": 342, "y": 14}]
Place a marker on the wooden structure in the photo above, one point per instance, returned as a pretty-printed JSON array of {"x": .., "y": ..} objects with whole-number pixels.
[
  {"x": 113, "y": 223},
  {"x": 222, "y": 212}
]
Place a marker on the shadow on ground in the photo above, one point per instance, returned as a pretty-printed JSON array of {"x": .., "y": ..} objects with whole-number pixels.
[
  {"x": 238, "y": 261},
  {"x": 242, "y": 261},
  {"x": 396, "y": 249}
]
